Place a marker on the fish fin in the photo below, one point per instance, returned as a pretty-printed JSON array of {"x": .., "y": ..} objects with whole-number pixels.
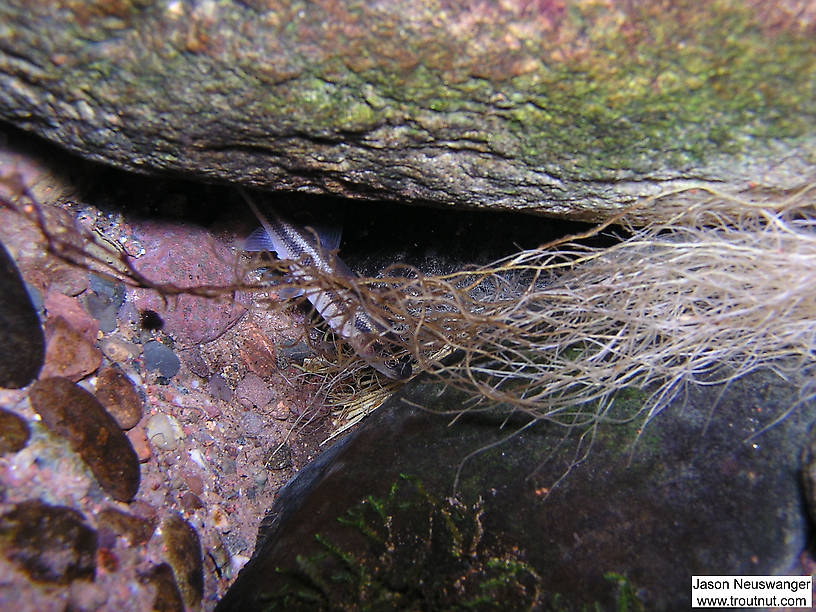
[
  {"x": 288, "y": 292},
  {"x": 328, "y": 235},
  {"x": 259, "y": 240}
]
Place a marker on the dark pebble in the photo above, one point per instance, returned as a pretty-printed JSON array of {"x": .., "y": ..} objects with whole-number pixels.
[
  {"x": 168, "y": 596},
  {"x": 119, "y": 397},
  {"x": 23, "y": 340},
  {"x": 50, "y": 543},
  {"x": 293, "y": 353},
  {"x": 184, "y": 554},
  {"x": 14, "y": 432},
  {"x": 135, "y": 529},
  {"x": 159, "y": 357},
  {"x": 219, "y": 388},
  {"x": 71, "y": 412},
  {"x": 102, "y": 310},
  {"x": 110, "y": 290},
  {"x": 192, "y": 357}
]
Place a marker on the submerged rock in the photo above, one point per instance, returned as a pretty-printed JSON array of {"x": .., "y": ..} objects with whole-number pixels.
[
  {"x": 119, "y": 397},
  {"x": 168, "y": 597},
  {"x": 566, "y": 108},
  {"x": 68, "y": 353},
  {"x": 695, "y": 495},
  {"x": 184, "y": 554},
  {"x": 23, "y": 340},
  {"x": 51, "y": 543},
  {"x": 14, "y": 432},
  {"x": 71, "y": 412}
]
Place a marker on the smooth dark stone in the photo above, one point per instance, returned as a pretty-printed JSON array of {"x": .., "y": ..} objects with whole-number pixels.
[
  {"x": 697, "y": 495},
  {"x": 159, "y": 357},
  {"x": 23, "y": 340}
]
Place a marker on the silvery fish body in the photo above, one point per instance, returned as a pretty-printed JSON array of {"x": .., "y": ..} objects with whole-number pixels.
[{"x": 308, "y": 248}]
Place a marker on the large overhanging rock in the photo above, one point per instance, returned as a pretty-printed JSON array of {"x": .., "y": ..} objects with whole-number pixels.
[{"x": 563, "y": 107}]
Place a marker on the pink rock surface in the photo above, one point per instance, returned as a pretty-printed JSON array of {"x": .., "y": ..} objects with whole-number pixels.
[
  {"x": 186, "y": 256},
  {"x": 60, "y": 305}
]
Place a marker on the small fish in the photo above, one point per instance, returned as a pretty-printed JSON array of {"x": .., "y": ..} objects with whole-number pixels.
[{"x": 342, "y": 309}]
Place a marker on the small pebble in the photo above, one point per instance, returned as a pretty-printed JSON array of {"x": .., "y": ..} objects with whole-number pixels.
[
  {"x": 219, "y": 388},
  {"x": 103, "y": 311},
  {"x": 110, "y": 289},
  {"x": 164, "y": 432},
  {"x": 252, "y": 423},
  {"x": 50, "y": 543},
  {"x": 138, "y": 440},
  {"x": 135, "y": 529},
  {"x": 252, "y": 391},
  {"x": 69, "y": 411},
  {"x": 184, "y": 554},
  {"x": 191, "y": 502},
  {"x": 119, "y": 397},
  {"x": 70, "y": 309},
  {"x": 14, "y": 432},
  {"x": 119, "y": 351},
  {"x": 259, "y": 477},
  {"x": 68, "y": 353},
  {"x": 158, "y": 357},
  {"x": 219, "y": 519},
  {"x": 168, "y": 596}
]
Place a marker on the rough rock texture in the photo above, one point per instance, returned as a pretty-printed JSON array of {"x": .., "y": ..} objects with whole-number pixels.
[{"x": 567, "y": 107}]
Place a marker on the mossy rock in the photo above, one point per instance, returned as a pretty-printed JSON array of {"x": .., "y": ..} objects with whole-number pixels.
[{"x": 574, "y": 108}]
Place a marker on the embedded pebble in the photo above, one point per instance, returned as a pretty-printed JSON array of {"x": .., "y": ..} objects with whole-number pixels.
[
  {"x": 23, "y": 341},
  {"x": 159, "y": 357},
  {"x": 219, "y": 519},
  {"x": 103, "y": 311},
  {"x": 295, "y": 353},
  {"x": 184, "y": 554},
  {"x": 71, "y": 412},
  {"x": 119, "y": 351},
  {"x": 110, "y": 289},
  {"x": 252, "y": 391},
  {"x": 192, "y": 357},
  {"x": 50, "y": 543},
  {"x": 219, "y": 388},
  {"x": 252, "y": 423},
  {"x": 14, "y": 432},
  {"x": 68, "y": 353},
  {"x": 104, "y": 300},
  {"x": 60, "y": 305},
  {"x": 135, "y": 529},
  {"x": 168, "y": 596},
  {"x": 119, "y": 397},
  {"x": 138, "y": 439},
  {"x": 164, "y": 432}
]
